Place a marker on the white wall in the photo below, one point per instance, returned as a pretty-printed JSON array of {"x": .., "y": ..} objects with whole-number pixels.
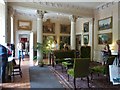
[
  {"x": 109, "y": 11},
  {"x": 80, "y": 30},
  {"x": 3, "y": 34},
  {"x": 119, "y": 20}
]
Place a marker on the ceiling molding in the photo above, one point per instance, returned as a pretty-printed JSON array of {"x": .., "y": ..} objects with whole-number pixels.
[
  {"x": 105, "y": 5},
  {"x": 83, "y": 12}
]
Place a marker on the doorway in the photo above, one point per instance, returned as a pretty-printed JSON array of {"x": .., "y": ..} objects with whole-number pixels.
[{"x": 27, "y": 38}]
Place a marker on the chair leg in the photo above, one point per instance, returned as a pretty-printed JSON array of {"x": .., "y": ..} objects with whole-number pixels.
[
  {"x": 62, "y": 68},
  {"x": 74, "y": 82},
  {"x": 20, "y": 72},
  {"x": 91, "y": 75},
  {"x": 88, "y": 81},
  {"x": 68, "y": 77},
  {"x": 13, "y": 74}
]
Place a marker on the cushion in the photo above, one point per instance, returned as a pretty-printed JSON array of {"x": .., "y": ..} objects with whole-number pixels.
[{"x": 71, "y": 72}]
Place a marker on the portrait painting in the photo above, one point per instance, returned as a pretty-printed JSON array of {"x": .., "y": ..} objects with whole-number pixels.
[
  {"x": 86, "y": 39},
  {"x": 86, "y": 27},
  {"x": 48, "y": 27},
  {"x": 65, "y": 29}
]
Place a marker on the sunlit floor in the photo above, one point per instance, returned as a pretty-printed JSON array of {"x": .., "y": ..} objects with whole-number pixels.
[{"x": 19, "y": 82}]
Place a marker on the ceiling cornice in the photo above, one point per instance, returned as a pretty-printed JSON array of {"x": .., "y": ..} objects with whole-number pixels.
[
  {"x": 82, "y": 12},
  {"x": 106, "y": 5}
]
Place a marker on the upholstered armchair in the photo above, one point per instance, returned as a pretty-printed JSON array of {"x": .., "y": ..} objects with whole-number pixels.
[
  {"x": 80, "y": 69},
  {"x": 85, "y": 52}
]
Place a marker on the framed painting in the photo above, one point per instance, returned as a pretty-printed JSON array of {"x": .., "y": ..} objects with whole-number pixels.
[
  {"x": 104, "y": 24},
  {"x": 24, "y": 25},
  {"x": 86, "y": 27},
  {"x": 48, "y": 27},
  {"x": 65, "y": 29},
  {"x": 105, "y": 37},
  {"x": 78, "y": 41},
  {"x": 86, "y": 39},
  {"x": 65, "y": 39}
]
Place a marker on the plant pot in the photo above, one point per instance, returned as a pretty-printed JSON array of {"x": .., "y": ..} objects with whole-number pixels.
[{"x": 41, "y": 64}]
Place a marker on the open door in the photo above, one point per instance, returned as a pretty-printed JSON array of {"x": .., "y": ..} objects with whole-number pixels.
[{"x": 31, "y": 49}]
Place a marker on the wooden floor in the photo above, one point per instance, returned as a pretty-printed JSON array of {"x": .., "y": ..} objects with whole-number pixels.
[{"x": 19, "y": 82}]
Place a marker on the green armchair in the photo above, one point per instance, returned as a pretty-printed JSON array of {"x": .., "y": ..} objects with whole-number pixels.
[
  {"x": 85, "y": 52},
  {"x": 80, "y": 69}
]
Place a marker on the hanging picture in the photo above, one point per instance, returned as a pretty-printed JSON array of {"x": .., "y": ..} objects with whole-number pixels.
[
  {"x": 78, "y": 41},
  {"x": 104, "y": 24},
  {"x": 65, "y": 39},
  {"x": 105, "y": 37},
  {"x": 48, "y": 27},
  {"x": 65, "y": 29},
  {"x": 86, "y": 27},
  {"x": 24, "y": 25},
  {"x": 86, "y": 39}
]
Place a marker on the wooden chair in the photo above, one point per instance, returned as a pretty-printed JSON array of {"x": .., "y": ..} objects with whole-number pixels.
[
  {"x": 80, "y": 69},
  {"x": 17, "y": 69}
]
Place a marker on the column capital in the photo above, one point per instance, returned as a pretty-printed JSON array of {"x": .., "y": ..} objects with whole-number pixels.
[
  {"x": 73, "y": 18},
  {"x": 40, "y": 14},
  {"x": 11, "y": 11}
]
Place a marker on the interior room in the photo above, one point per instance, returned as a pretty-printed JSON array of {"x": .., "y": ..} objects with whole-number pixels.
[{"x": 61, "y": 44}]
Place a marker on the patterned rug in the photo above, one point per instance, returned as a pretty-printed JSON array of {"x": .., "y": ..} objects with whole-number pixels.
[{"x": 100, "y": 81}]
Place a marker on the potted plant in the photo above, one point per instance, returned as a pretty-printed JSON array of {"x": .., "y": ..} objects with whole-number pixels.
[{"x": 41, "y": 49}]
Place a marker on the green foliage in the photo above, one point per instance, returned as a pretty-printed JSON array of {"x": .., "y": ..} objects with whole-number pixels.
[{"x": 45, "y": 48}]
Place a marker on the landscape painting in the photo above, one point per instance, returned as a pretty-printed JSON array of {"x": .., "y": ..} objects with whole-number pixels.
[
  {"x": 105, "y": 37},
  {"x": 104, "y": 24}
]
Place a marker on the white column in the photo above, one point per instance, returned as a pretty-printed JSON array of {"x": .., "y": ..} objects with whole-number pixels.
[
  {"x": 39, "y": 34},
  {"x": 12, "y": 29},
  {"x": 39, "y": 27},
  {"x": 73, "y": 33}
]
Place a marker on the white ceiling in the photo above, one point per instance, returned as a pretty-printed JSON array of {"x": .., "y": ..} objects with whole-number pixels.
[{"x": 56, "y": 9}]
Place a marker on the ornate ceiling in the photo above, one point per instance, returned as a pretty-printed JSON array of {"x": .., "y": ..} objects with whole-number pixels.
[{"x": 57, "y": 10}]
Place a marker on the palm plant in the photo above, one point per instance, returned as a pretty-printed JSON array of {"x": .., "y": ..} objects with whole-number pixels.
[{"x": 44, "y": 48}]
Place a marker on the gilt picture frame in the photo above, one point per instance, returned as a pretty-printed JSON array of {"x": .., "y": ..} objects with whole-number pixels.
[
  {"x": 24, "y": 25},
  {"x": 65, "y": 39},
  {"x": 49, "y": 28},
  {"x": 86, "y": 39},
  {"x": 105, "y": 23},
  {"x": 105, "y": 37},
  {"x": 86, "y": 27},
  {"x": 64, "y": 29}
]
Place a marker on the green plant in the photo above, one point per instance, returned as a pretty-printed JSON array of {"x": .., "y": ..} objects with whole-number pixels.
[
  {"x": 40, "y": 48},
  {"x": 44, "y": 48}
]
